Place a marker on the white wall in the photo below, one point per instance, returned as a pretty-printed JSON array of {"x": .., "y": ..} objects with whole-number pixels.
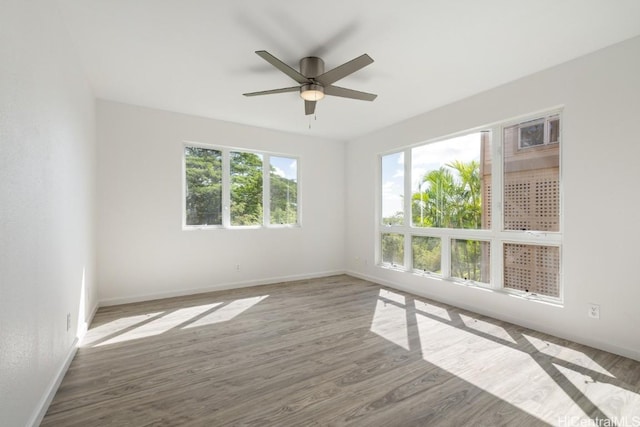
[
  {"x": 601, "y": 151},
  {"x": 47, "y": 167},
  {"x": 143, "y": 251}
]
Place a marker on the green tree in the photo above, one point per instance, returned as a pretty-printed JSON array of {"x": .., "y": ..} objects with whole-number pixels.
[
  {"x": 203, "y": 176},
  {"x": 426, "y": 253},
  {"x": 284, "y": 199},
  {"x": 450, "y": 197},
  {"x": 393, "y": 248},
  {"x": 246, "y": 188}
]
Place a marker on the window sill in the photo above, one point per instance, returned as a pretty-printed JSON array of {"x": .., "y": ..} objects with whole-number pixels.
[
  {"x": 554, "y": 302},
  {"x": 238, "y": 227}
]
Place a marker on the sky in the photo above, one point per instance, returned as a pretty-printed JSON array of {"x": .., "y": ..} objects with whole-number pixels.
[
  {"x": 285, "y": 167},
  {"x": 424, "y": 158}
]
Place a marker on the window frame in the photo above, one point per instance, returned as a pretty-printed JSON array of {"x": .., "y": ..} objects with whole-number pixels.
[
  {"x": 546, "y": 131},
  {"x": 496, "y": 235},
  {"x": 226, "y": 188}
]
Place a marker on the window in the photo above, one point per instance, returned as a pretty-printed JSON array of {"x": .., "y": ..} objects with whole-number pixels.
[
  {"x": 393, "y": 189},
  {"x": 532, "y": 268},
  {"x": 446, "y": 183},
  {"x": 538, "y": 132},
  {"x": 246, "y": 188},
  {"x": 426, "y": 252},
  {"x": 203, "y": 176},
  {"x": 470, "y": 260},
  {"x": 231, "y": 188},
  {"x": 393, "y": 249},
  {"x": 532, "y": 180},
  {"x": 284, "y": 190},
  {"x": 484, "y": 206}
]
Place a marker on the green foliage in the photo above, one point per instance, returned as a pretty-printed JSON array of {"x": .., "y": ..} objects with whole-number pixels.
[
  {"x": 284, "y": 199},
  {"x": 393, "y": 248},
  {"x": 450, "y": 197},
  {"x": 204, "y": 186},
  {"x": 246, "y": 188},
  {"x": 447, "y": 200},
  {"x": 203, "y": 174},
  {"x": 466, "y": 257},
  {"x": 426, "y": 253}
]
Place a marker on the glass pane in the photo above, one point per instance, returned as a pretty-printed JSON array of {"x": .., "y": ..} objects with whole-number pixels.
[
  {"x": 246, "y": 188},
  {"x": 448, "y": 181},
  {"x": 532, "y": 268},
  {"x": 203, "y": 176},
  {"x": 393, "y": 189},
  {"x": 531, "y": 185},
  {"x": 392, "y": 249},
  {"x": 531, "y": 134},
  {"x": 471, "y": 260},
  {"x": 426, "y": 253},
  {"x": 284, "y": 190}
]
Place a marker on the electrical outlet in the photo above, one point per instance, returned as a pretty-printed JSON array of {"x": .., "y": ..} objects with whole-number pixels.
[
  {"x": 594, "y": 311},
  {"x": 68, "y": 321}
]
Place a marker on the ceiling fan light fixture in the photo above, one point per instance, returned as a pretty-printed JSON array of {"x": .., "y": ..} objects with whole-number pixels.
[{"x": 311, "y": 92}]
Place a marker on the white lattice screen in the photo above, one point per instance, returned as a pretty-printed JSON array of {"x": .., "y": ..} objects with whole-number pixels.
[
  {"x": 532, "y": 268},
  {"x": 532, "y": 200}
]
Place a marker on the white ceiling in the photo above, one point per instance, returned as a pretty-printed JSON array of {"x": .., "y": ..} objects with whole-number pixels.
[{"x": 197, "y": 56}]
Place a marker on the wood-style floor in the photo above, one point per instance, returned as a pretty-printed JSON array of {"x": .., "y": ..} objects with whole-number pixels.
[{"x": 333, "y": 351}]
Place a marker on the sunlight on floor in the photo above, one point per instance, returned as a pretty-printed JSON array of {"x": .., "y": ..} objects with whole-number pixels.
[
  {"x": 390, "y": 319},
  {"x": 433, "y": 310},
  {"x": 614, "y": 401},
  {"x": 151, "y": 324},
  {"x": 161, "y": 325},
  {"x": 487, "y": 328},
  {"x": 559, "y": 381},
  {"x": 567, "y": 354},
  {"x": 227, "y": 312},
  {"x": 114, "y": 327}
]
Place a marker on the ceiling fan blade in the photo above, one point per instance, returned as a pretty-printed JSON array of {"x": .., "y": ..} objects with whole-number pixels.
[
  {"x": 344, "y": 70},
  {"x": 272, "y": 91},
  {"x": 349, "y": 93},
  {"x": 309, "y": 107},
  {"x": 295, "y": 75}
]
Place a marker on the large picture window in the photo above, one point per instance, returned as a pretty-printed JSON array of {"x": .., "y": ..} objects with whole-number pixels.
[
  {"x": 232, "y": 188},
  {"x": 446, "y": 183},
  {"x": 484, "y": 207}
]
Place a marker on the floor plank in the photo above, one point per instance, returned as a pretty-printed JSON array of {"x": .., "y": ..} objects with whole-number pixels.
[{"x": 332, "y": 351}]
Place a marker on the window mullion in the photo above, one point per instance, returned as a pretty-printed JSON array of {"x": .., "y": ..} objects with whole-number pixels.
[
  {"x": 445, "y": 254},
  {"x": 497, "y": 220},
  {"x": 266, "y": 190},
  {"x": 226, "y": 189},
  {"x": 407, "y": 210}
]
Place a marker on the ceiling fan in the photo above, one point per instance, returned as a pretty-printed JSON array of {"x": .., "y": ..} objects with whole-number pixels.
[{"x": 314, "y": 82}]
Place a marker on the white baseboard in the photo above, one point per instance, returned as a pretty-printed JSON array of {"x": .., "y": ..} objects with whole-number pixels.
[
  {"x": 51, "y": 390},
  {"x": 219, "y": 287}
]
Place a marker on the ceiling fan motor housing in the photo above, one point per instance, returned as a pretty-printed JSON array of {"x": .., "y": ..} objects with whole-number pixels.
[{"x": 311, "y": 66}]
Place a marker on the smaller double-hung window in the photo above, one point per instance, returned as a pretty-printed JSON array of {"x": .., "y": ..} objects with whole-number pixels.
[{"x": 231, "y": 188}]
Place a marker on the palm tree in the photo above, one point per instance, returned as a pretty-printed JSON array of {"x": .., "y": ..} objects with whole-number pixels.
[{"x": 450, "y": 197}]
